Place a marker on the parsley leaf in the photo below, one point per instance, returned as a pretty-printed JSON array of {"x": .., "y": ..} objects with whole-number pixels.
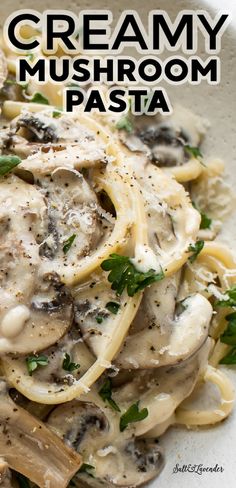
[
  {"x": 193, "y": 151},
  {"x": 124, "y": 274},
  {"x": 229, "y": 335},
  {"x": 56, "y": 114},
  {"x": 230, "y": 358},
  {"x": 68, "y": 243},
  {"x": 113, "y": 307},
  {"x": 230, "y": 298},
  {"x": 7, "y": 163},
  {"x": 205, "y": 221},
  {"x": 68, "y": 365},
  {"x": 39, "y": 98},
  {"x": 85, "y": 468},
  {"x": 195, "y": 249},
  {"x": 106, "y": 394},
  {"x": 133, "y": 414},
  {"x": 99, "y": 319},
  {"x": 22, "y": 481},
  {"x": 33, "y": 362},
  {"x": 125, "y": 124}
]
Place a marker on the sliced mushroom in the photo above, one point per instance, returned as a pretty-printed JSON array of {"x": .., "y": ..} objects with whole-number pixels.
[
  {"x": 72, "y": 214},
  {"x": 97, "y": 312},
  {"x": 53, "y": 384},
  {"x": 27, "y": 324},
  {"x": 161, "y": 390},
  {"x": 30, "y": 448},
  {"x": 5, "y": 139},
  {"x": 92, "y": 427},
  {"x": 163, "y": 138},
  {"x": 117, "y": 460},
  {"x": 38, "y": 128},
  {"x": 159, "y": 335},
  {"x": 77, "y": 145}
]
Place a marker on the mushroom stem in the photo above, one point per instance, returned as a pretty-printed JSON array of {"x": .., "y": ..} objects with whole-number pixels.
[{"x": 30, "y": 448}]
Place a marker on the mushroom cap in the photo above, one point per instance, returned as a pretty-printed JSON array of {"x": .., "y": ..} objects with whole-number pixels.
[
  {"x": 117, "y": 460},
  {"x": 35, "y": 311},
  {"x": 162, "y": 138}
]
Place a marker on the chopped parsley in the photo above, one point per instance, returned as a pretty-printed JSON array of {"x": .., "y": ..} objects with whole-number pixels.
[
  {"x": 33, "y": 362},
  {"x": 7, "y": 163},
  {"x": 106, "y": 394},
  {"x": 56, "y": 114},
  {"x": 133, "y": 414},
  {"x": 125, "y": 124},
  {"x": 230, "y": 298},
  {"x": 68, "y": 243},
  {"x": 195, "y": 249},
  {"x": 193, "y": 151},
  {"x": 205, "y": 220},
  {"x": 39, "y": 98},
  {"x": 68, "y": 365},
  {"x": 229, "y": 335},
  {"x": 123, "y": 274},
  {"x": 113, "y": 307},
  {"x": 230, "y": 358},
  {"x": 99, "y": 319}
]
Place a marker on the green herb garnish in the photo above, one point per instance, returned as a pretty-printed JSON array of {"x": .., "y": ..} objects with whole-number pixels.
[
  {"x": 68, "y": 365},
  {"x": 99, "y": 319},
  {"x": 113, "y": 307},
  {"x": 68, "y": 243},
  {"x": 33, "y": 362},
  {"x": 193, "y": 151},
  {"x": 106, "y": 394},
  {"x": 125, "y": 124},
  {"x": 230, "y": 358},
  {"x": 7, "y": 163},
  {"x": 230, "y": 298},
  {"x": 124, "y": 274},
  {"x": 39, "y": 98},
  {"x": 85, "y": 468},
  {"x": 205, "y": 220},
  {"x": 195, "y": 249},
  {"x": 133, "y": 414},
  {"x": 23, "y": 482},
  {"x": 56, "y": 114},
  {"x": 229, "y": 335}
]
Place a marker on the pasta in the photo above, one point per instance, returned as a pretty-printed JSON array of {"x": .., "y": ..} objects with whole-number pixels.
[{"x": 117, "y": 303}]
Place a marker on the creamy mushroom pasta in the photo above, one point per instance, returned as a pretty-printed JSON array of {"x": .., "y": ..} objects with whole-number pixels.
[{"x": 117, "y": 303}]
